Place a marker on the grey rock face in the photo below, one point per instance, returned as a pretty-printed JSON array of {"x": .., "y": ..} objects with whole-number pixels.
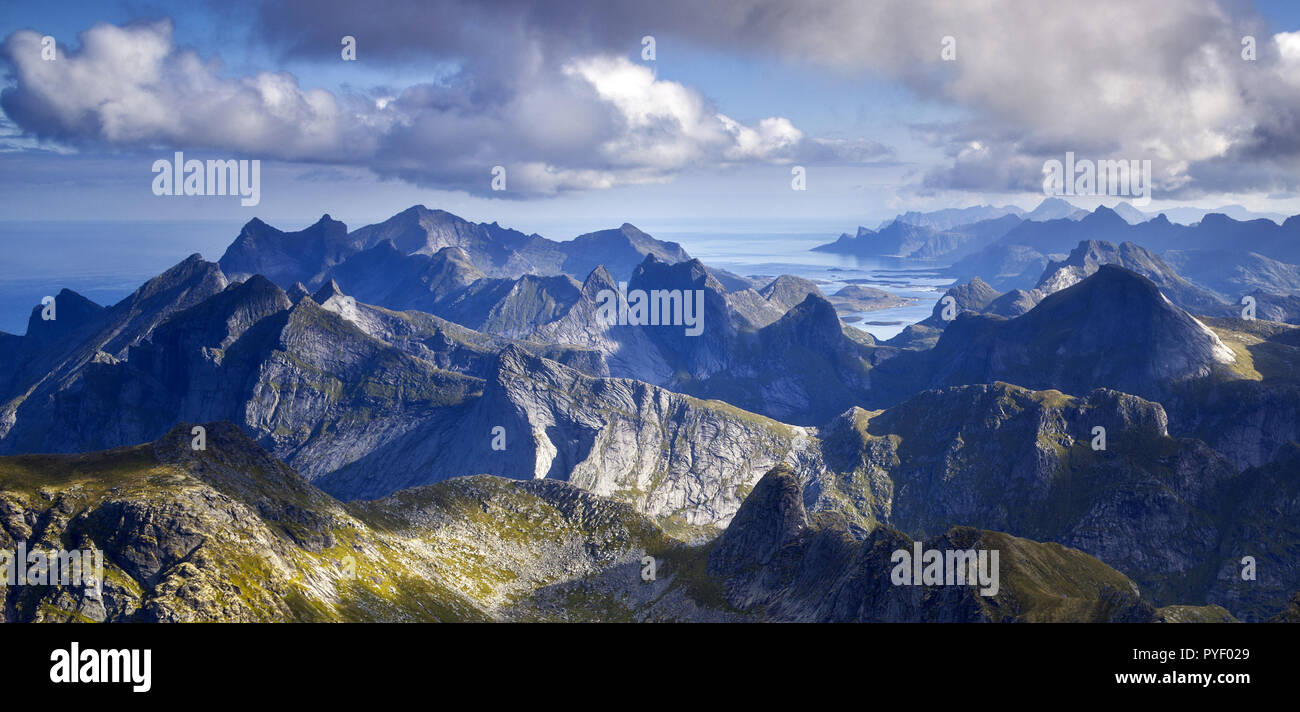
[
  {"x": 773, "y": 515},
  {"x": 72, "y": 312},
  {"x": 974, "y": 296},
  {"x": 671, "y": 456},
  {"x": 1250, "y": 422},
  {"x": 383, "y": 275},
  {"x": 1260, "y": 509}
]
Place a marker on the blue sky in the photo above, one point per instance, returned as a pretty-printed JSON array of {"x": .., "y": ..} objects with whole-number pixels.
[{"x": 862, "y": 102}]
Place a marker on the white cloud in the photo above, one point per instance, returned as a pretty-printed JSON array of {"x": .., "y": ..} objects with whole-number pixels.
[
  {"x": 130, "y": 86},
  {"x": 591, "y": 122},
  {"x": 548, "y": 89}
]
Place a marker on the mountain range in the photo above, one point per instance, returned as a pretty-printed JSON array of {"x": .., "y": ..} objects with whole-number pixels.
[{"x": 442, "y": 404}]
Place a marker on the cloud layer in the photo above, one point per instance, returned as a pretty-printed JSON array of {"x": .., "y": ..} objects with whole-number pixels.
[
  {"x": 1163, "y": 80},
  {"x": 546, "y": 89},
  {"x": 588, "y": 121}
]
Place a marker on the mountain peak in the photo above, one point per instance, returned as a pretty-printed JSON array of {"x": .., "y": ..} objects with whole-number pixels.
[
  {"x": 1053, "y": 208},
  {"x": 71, "y": 311},
  {"x": 297, "y": 292},
  {"x": 772, "y": 515},
  {"x": 1216, "y": 220},
  {"x": 974, "y": 295},
  {"x": 661, "y": 274},
  {"x": 815, "y": 319},
  {"x": 788, "y": 290},
  {"x": 1131, "y": 215},
  {"x": 327, "y": 291},
  {"x": 326, "y": 220},
  {"x": 599, "y": 279},
  {"x": 1103, "y": 213},
  {"x": 514, "y": 365},
  {"x": 1113, "y": 329}
]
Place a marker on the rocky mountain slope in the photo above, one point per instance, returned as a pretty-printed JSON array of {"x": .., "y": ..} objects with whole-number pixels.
[
  {"x": 685, "y": 461},
  {"x": 785, "y": 563},
  {"x": 1024, "y": 462},
  {"x": 1114, "y": 329},
  {"x": 1085, "y": 259},
  {"x": 45, "y": 364},
  {"x": 230, "y": 534}
]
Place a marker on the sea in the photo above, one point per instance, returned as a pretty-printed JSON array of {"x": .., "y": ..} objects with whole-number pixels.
[
  {"x": 106, "y": 261},
  {"x": 768, "y": 255}
]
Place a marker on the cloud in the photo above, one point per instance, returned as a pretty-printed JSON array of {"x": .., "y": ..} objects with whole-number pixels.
[
  {"x": 1229, "y": 125},
  {"x": 587, "y": 122},
  {"x": 1163, "y": 80},
  {"x": 546, "y": 90},
  {"x": 131, "y": 87}
]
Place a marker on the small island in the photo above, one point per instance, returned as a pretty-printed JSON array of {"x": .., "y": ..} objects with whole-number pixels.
[{"x": 859, "y": 298}]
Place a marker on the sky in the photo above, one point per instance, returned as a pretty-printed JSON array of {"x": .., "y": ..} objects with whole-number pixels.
[{"x": 880, "y": 107}]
